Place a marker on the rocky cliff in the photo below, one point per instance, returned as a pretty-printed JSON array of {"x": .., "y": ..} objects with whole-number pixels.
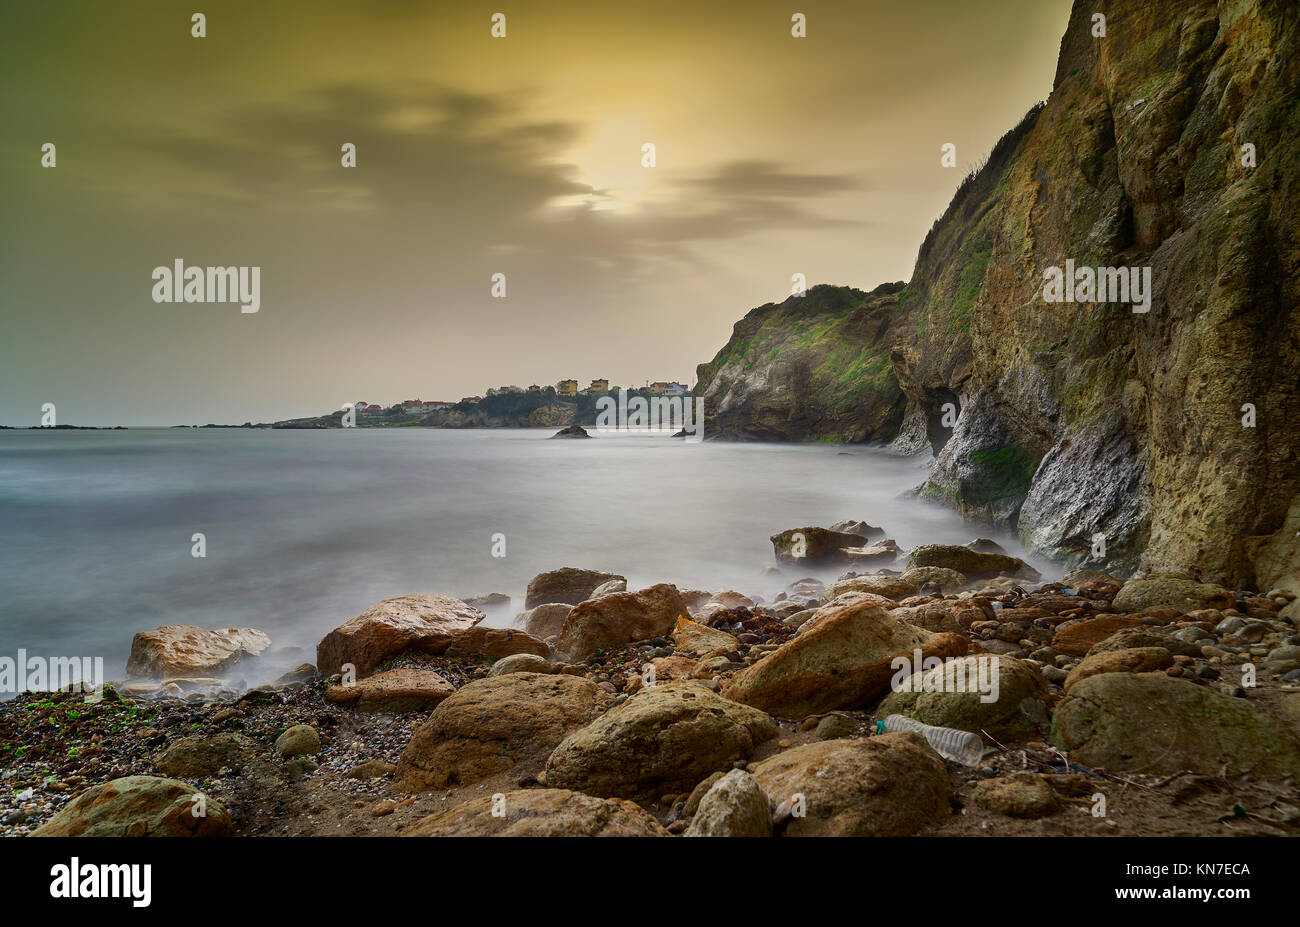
[{"x": 1169, "y": 437}]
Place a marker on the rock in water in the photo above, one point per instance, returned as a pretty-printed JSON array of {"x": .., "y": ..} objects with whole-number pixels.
[
  {"x": 665, "y": 738},
  {"x": 567, "y": 585},
  {"x": 539, "y": 813},
  {"x": 138, "y": 806},
  {"x": 184, "y": 650},
  {"x": 890, "y": 785},
  {"x": 495, "y": 724},
  {"x": 812, "y": 546},
  {"x": 426, "y": 623},
  {"x": 573, "y": 431},
  {"x": 972, "y": 563}
]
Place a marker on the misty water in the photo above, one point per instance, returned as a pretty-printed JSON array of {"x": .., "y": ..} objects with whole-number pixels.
[{"x": 304, "y": 529}]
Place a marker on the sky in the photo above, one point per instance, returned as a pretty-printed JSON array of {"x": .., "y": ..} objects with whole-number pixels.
[{"x": 476, "y": 155}]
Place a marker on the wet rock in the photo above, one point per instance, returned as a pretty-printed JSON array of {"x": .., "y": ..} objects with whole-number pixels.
[
  {"x": 666, "y": 737},
  {"x": 572, "y": 431},
  {"x": 614, "y": 585},
  {"x": 1169, "y": 590},
  {"x": 184, "y": 650},
  {"x": 202, "y": 757},
  {"x": 1160, "y": 725},
  {"x": 540, "y": 813},
  {"x": 735, "y": 806},
  {"x": 945, "y": 579},
  {"x": 138, "y": 806},
  {"x": 992, "y": 695},
  {"x": 494, "y": 643},
  {"x": 840, "y": 659},
  {"x": 395, "y": 691},
  {"x": 1077, "y": 639},
  {"x": 1021, "y": 795},
  {"x": 1132, "y": 660},
  {"x": 567, "y": 585},
  {"x": 890, "y": 587},
  {"x": 836, "y": 724},
  {"x": 303, "y": 672},
  {"x": 426, "y": 623},
  {"x": 492, "y": 725},
  {"x": 619, "y": 619},
  {"x": 812, "y": 546},
  {"x": 890, "y": 785},
  {"x": 688, "y": 635},
  {"x": 544, "y": 621},
  {"x": 299, "y": 740},
  {"x": 521, "y": 663},
  {"x": 973, "y": 564}
]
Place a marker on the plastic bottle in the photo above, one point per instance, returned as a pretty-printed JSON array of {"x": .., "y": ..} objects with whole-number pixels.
[{"x": 959, "y": 746}]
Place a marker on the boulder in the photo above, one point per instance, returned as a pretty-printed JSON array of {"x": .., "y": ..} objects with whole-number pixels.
[
  {"x": 812, "y": 546},
  {"x": 933, "y": 616},
  {"x": 567, "y": 585},
  {"x": 1076, "y": 578},
  {"x": 184, "y": 650},
  {"x": 891, "y": 587},
  {"x": 947, "y": 580},
  {"x": 521, "y": 663},
  {"x": 1078, "y": 638},
  {"x": 1020, "y": 795},
  {"x": 839, "y": 659},
  {"x": 427, "y": 623},
  {"x": 495, "y": 724},
  {"x": 882, "y": 551},
  {"x": 544, "y": 621},
  {"x": 697, "y": 638},
  {"x": 1168, "y": 590},
  {"x": 860, "y": 528},
  {"x": 619, "y": 619},
  {"x": 666, "y": 738},
  {"x": 890, "y": 785},
  {"x": 494, "y": 643},
  {"x": 395, "y": 691},
  {"x": 1159, "y": 725},
  {"x": 735, "y": 806},
  {"x": 539, "y": 813},
  {"x": 614, "y": 585},
  {"x": 953, "y": 695},
  {"x": 138, "y": 806},
  {"x": 298, "y": 740},
  {"x": 972, "y": 563},
  {"x": 1132, "y": 660},
  {"x": 202, "y": 757}
]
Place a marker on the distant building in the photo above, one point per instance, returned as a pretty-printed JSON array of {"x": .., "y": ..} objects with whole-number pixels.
[
  {"x": 599, "y": 386},
  {"x": 472, "y": 399},
  {"x": 567, "y": 388},
  {"x": 676, "y": 389},
  {"x": 534, "y": 388}
]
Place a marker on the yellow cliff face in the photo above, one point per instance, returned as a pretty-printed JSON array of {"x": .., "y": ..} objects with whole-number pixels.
[{"x": 1155, "y": 433}]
